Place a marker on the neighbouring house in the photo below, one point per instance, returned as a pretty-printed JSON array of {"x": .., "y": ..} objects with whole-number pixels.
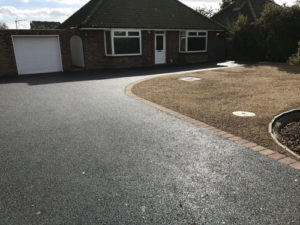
[
  {"x": 118, "y": 34},
  {"x": 252, "y": 9},
  {"x": 43, "y": 25}
]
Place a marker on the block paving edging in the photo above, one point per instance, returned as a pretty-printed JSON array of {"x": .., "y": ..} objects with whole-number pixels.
[{"x": 250, "y": 145}]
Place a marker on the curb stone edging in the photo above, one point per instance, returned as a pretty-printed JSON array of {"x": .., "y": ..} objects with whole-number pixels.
[
  {"x": 250, "y": 145},
  {"x": 273, "y": 135}
]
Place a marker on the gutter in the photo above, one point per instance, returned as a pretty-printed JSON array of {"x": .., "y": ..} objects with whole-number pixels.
[{"x": 146, "y": 29}]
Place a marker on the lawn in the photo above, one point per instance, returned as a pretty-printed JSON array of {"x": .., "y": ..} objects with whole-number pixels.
[{"x": 265, "y": 89}]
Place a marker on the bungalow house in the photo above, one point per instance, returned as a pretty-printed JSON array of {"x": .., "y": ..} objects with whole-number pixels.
[
  {"x": 115, "y": 34},
  {"x": 127, "y": 33},
  {"x": 252, "y": 9}
]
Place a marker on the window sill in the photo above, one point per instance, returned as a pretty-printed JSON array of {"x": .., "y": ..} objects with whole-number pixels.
[
  {"x": 123, "y": 55},
  {"x": 194, "y": 52}
]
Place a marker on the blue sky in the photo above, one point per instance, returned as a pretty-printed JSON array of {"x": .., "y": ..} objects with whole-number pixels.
[{"x": 59, "y": 10}]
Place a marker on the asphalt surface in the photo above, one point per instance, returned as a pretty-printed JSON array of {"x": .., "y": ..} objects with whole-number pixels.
[{"x": 75, "y": 149}]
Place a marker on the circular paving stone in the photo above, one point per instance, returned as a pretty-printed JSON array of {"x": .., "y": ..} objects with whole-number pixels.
[
  {"x": 190, "y": 79},
  {"x": 243, "y": 114}
]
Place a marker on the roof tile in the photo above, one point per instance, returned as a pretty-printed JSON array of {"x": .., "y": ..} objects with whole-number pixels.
[{"x": 152, "y": 14}]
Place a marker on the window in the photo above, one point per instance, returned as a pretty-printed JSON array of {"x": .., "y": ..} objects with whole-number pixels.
[
  {"x": 193, "y": 41},
  {"x": 120, "y": 33},
  {"x": 108, "y": 42},
  {"x": 159, "y": 43},
  {"x": 133, "y": 34},
  {"x": 123, "y": 42}
]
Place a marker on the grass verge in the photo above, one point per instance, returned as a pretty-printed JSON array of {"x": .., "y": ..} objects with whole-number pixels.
[{"x": 265, "y": 89}]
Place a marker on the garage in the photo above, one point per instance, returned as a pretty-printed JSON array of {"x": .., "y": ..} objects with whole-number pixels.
[{"x": 37, "y": 54}]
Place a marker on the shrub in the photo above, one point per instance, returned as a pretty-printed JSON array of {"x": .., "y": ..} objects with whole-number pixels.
[
  {"x": 295, "y": 58},
  {"x": 245, "y": 40},
  {"x": 3, "y": 26},
  {"x": 282, "y": 30},
  {"x": 273, "y": 37}
]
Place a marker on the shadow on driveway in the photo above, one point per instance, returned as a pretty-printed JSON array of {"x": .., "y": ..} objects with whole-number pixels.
[{"x": 73, "y": 76}]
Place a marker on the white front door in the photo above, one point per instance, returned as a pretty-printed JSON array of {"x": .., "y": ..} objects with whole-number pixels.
[{"x": 160, "y": 48}]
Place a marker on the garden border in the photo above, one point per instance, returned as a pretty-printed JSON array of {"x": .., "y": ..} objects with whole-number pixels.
[{"x": 271, "y": 132}]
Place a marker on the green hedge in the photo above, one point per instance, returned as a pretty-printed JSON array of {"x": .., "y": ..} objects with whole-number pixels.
[
  {"x": 273, "y": 37},
  {"x": 295, "y": 58}
]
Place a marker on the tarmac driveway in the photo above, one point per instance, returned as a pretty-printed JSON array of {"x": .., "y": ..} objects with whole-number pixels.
[{"x": 76, "y": 150}]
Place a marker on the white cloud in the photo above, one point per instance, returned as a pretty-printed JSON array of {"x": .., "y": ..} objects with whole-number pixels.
[
  {"x": 202, "y": 3},
  {"x": 288, "y": 2},
  {"x": 42, "y": 14},
  {"x": 68, "y": 2}
]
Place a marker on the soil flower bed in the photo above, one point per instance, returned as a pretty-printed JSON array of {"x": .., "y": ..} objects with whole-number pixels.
[
  {"x": 290, "y": 136},
  {"x": 264, "y": 89}
]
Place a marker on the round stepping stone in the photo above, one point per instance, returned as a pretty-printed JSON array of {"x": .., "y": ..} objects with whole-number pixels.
[
  {"x": 244, "y": 114},
  {"x": 190, "y": 79}
]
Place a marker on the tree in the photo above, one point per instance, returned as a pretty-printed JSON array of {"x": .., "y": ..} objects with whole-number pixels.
[
  {"x": 3, "y": 26},
  {"x": 297, "y": 2},
  {"x": 282, "y": 30},
  {"x": 273, "y": 37},
  {"x": 208, "y": 12},
  {"x": 245, "y": 40}
]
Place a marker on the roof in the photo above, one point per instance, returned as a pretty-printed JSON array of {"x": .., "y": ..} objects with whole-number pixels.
[
  {"x": 147, "y": 14},
  {"x": 250, "y": 8}
]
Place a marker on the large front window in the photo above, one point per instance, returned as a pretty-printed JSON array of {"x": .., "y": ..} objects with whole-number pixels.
[
  {"x": 123, "y": 42},
  {"x": 193, "y": 41}
]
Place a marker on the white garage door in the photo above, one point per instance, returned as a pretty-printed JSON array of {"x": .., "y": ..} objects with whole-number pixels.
[{"x": 37, "y": 54}]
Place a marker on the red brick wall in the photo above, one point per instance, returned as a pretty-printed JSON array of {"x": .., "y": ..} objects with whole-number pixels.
[
  {"x": 7, "y": 57},
  {"x": 174, "y": 55},
  {"x": 7, "y": 60},
  {"x": 94, "y": 50},
  {"x": 95, "y": 58}
]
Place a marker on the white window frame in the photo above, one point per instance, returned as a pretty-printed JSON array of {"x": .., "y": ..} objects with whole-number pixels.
[
  {"x": 112, "y": 36},
  {"x": 197, "y": 35}
]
